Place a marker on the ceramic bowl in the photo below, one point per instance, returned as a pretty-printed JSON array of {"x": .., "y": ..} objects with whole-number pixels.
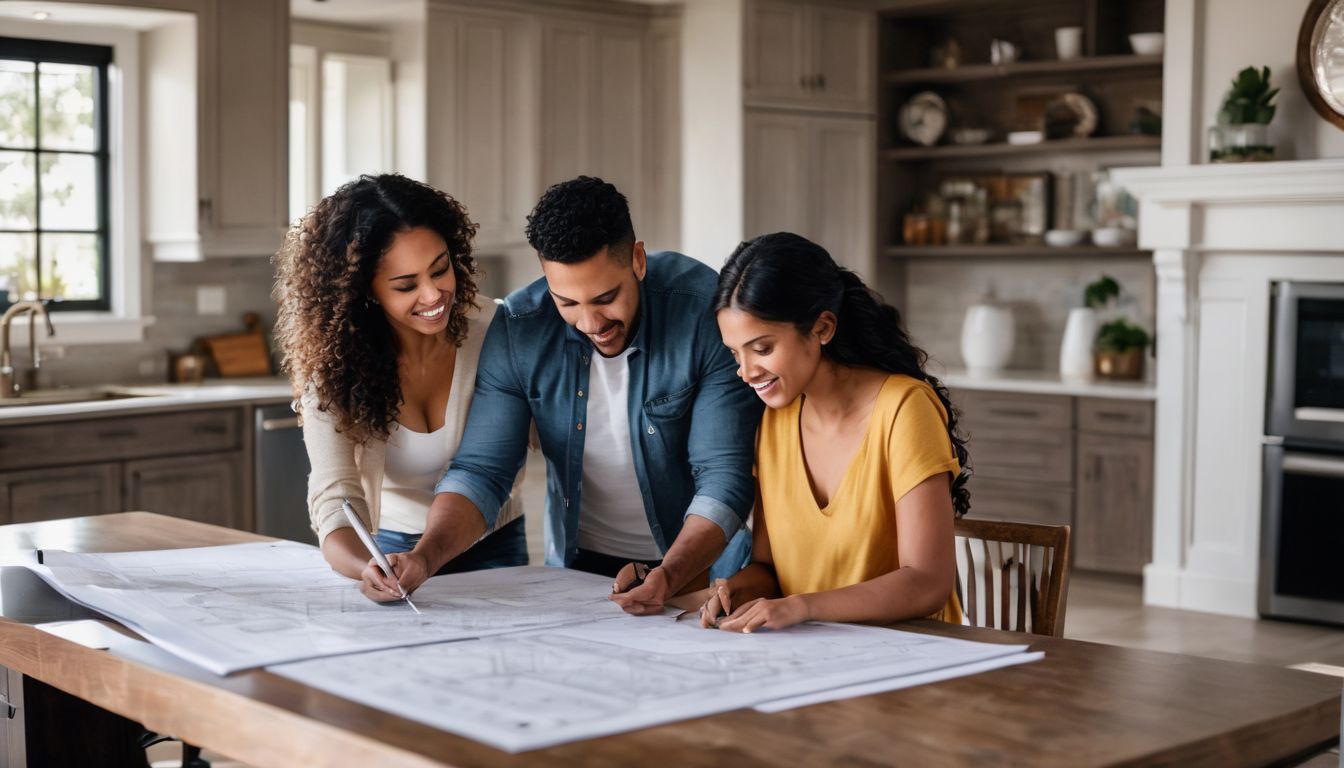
[
  {"x": 1147, "y": 43},
  {"x": 1063, "y": 238},
  {"x": 970, "y": 136},
  {"x": 1112, "y": 237}
]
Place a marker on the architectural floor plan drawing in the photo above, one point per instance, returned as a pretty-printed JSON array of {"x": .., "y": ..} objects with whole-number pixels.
[
  {"x": 248, "y": 605},
  {"x": 539, "y": 688}
]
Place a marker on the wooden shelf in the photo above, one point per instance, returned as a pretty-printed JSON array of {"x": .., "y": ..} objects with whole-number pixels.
[
  {"x": 1094, "y": 144},
  {"x": 1023, "y": 69},
  {"x": 999, "y": 251}
]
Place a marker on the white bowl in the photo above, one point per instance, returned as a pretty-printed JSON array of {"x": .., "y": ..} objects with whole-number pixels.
[
  {"x": 1112, "y": 237},
  {"x": 1147, "y": 43},
  {"x": 970, "y": 136},
  {"x": 1063, "y": 238}
]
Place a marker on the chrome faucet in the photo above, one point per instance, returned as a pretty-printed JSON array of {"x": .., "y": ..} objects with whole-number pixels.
[{"x": 9, "y": 385}]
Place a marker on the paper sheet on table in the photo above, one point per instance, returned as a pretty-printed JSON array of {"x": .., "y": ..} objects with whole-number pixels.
[
  {"x": 248, "y": 605},
  {"x": 897, "y": 683},
  {"x": 539, "y": 688}
]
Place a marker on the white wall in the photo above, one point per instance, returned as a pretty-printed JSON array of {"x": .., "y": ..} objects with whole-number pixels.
[
  {"x": 712, "y": 184},
  {"x": 1241, "y": 33}
]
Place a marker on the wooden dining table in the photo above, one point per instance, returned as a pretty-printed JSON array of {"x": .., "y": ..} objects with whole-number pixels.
[{"x": 1083, "y": 704}]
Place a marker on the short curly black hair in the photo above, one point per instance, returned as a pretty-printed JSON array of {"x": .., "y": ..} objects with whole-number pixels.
[{"x": 575, "y": 219}]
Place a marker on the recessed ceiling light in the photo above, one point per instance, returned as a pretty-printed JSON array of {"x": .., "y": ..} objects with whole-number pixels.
[{"x": 41, "y": 15}]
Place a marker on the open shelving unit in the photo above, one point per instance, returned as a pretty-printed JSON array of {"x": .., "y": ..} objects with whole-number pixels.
[{"x": 1011, "y": 251}]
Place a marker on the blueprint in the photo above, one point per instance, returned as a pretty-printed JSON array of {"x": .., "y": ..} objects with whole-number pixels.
[
  {"x": 539, "y": 688},
  {"x": 248, "y": 605}
]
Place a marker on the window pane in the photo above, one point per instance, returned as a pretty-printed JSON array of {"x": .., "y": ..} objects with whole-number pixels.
[
  {"x": 18, "y": 267},
  {"x": 18, "y": 193},
  {"x": 17, "y": 113},
  {"x": 67, "y": 106},
  {"x": 69, "y": 192},
  {"x": 70, "y": 267}
]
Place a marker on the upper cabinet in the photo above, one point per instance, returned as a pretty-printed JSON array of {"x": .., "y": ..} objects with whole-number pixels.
[
  {"x": 809, "y": 56},
  {"x": 216, "y": 176}
]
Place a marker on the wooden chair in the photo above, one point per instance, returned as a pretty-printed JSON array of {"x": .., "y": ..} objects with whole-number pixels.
[{"x": 1025, "y": 565}]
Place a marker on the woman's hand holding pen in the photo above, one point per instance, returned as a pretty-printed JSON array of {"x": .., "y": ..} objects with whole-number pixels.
[
  {"x": 410, "y": 568},
  {"x": 756, "y": 614}
]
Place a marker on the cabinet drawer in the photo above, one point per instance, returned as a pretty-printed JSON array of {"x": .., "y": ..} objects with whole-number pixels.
[
  {"x": 50, "y": 494},
  {"x": 983, "y": 410},
  {"x": 1020, "y": 502},
  {"x": 1040, "y": 455},
  {"x": 114, "y": 439},
  {"x": 1115, "y": 417}
]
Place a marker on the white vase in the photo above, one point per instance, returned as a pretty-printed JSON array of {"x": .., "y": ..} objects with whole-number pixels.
[
  {"x": 987, "y": 338},
  {"x": 1075, "y": 353}
]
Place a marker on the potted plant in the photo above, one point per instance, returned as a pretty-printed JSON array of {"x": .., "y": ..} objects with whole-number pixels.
[
  {"x": 1120, "y": 346},
  {"x": 1242, "y": 132}
]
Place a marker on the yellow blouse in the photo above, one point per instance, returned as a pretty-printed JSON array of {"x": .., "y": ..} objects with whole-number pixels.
[{"x": 853, "y": 538}]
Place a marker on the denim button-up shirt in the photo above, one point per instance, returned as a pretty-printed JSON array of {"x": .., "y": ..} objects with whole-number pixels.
[{"x": 692, "y": 421}]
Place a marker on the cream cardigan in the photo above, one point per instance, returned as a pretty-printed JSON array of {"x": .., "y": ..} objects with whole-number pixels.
[{"x": 343, "y": 469}]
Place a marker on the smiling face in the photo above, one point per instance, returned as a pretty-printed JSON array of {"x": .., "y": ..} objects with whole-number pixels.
[
  {"x": 414, "y": 283},
  {"x": 599, "y": 296},
  {"x": 774, "y": 358}
]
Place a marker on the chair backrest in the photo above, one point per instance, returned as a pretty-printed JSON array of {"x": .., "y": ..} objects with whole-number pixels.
[{"x": 1009, "y": 570}]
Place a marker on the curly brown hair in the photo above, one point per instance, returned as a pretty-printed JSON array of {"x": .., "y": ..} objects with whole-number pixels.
[{"x": 335, "y": 340}]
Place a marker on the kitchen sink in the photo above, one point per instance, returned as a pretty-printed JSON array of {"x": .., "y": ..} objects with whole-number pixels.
[{"x": 65, "y": 396}]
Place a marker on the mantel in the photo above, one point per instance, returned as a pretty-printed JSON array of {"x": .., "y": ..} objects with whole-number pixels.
[{"x": 1273, "y": 208}]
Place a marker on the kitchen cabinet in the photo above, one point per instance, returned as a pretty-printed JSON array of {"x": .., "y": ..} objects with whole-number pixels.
[
  {"x": 186, "y": 464},
  {"x": 810, "y": 56},
  {"x": 1115, "y": 487},
  {"x": 216, "y": 178},
  {"x": 204, "y": 488},
  {"x": 812, "y": 175},
  {"x": 1058, "y": 459},
  {"x": 48, "y": 494}
]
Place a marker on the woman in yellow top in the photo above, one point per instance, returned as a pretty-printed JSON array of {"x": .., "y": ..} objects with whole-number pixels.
[{"x": 858, "y": 461}]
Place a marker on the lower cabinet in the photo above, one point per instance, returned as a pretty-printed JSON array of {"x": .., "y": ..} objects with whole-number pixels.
[
  {"x": 34, "y": 495},
  {"x": 186, "y": 464},
  {"x": 1058, "y": 459},
  {"x": 203, "y": 488}
]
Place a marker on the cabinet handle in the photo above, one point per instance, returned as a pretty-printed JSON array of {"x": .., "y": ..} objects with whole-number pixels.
[
  {"x": 1111, "y": 416},
  {"x": 205, "y": 210},
  {"x": 1014, "y": 412},
  {"x": 271, "y": 425},
  {"x": 821, "y": 81},
  {"x": 117, "y": 434},
  {"x": 211, "y": 429}
]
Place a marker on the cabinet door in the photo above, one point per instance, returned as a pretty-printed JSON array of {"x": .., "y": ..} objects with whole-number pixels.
[
  {"x": 244, "y": 129},
  {"x": 203, "y": 487},
  {"x": 482, "y": 114},
  {"x": 50, "y": 494},
  {"x": 842, "y": 190},
  {"x": 843, "y": 61},
  {"x": 777, "y": 173},
  {"x": 776, "y": 70},
  {"x": 1113, "y": 520},
  {"x": 619, "y": 111},
  {"x": 567, "y": 95}
]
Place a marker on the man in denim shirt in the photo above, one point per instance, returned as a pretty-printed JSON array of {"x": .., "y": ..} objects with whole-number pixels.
[{"x": 647, "y": 431}]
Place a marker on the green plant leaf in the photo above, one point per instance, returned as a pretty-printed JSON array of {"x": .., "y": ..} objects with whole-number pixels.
[{"x": 1096, "y": 294}]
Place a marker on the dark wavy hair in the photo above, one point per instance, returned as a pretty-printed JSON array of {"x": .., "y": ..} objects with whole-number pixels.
[
  {"x": 784, "y": 278},
  {"x": 335, "y": 339},
  {"x": 577, "y": 218}
]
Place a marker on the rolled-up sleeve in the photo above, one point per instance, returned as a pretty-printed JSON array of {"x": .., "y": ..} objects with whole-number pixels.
[
  {"x": 722, "y": 438},
  {"x": 494, "y": 442}
]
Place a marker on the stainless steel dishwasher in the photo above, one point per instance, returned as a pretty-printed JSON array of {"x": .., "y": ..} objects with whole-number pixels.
[{"x": 281, "y": 475}]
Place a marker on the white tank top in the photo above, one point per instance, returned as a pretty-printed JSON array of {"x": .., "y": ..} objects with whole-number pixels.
[{"x": 415, "y": 462}]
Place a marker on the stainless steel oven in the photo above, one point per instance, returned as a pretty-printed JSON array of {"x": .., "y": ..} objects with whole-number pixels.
[{"x": 1302, "y": 510}]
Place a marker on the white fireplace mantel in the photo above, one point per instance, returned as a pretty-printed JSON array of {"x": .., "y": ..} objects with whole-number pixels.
[{"x": 1220, "y": 236}]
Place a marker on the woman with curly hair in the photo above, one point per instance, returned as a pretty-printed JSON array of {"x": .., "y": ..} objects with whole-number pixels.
[
  {"x": 858, "y": 459},
  {"x": 381, "y": 328}
]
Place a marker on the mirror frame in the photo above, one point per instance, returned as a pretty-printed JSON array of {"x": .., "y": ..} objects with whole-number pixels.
[{"x": 1306, "y": 74}]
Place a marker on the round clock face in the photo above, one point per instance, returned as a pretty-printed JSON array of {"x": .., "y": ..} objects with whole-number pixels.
[{"x": 923, "y": 118}]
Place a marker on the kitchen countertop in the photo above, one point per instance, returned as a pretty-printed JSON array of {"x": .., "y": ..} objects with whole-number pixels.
[
  {"x": 130, "y": 399},
  {"x": 1047, "y": 383}
]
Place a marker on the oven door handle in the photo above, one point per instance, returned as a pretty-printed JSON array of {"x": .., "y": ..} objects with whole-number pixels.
[{"x": 1312, "y": 464}]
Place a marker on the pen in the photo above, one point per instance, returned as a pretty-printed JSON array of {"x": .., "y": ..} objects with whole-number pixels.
[
  {"x": 641, "y": 573},
  {"x": 372, "y": 546}
]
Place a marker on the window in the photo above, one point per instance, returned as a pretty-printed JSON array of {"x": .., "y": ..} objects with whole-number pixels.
[{"x": 54, "y": 237}]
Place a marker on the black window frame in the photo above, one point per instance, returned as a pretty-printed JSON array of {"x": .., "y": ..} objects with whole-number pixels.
[{"x": 100, "y": 57}]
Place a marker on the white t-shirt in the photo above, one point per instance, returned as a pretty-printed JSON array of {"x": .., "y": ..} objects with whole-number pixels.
[
  {"x": 415, "y": 462},
  {"x": 612, "y": 519}
]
